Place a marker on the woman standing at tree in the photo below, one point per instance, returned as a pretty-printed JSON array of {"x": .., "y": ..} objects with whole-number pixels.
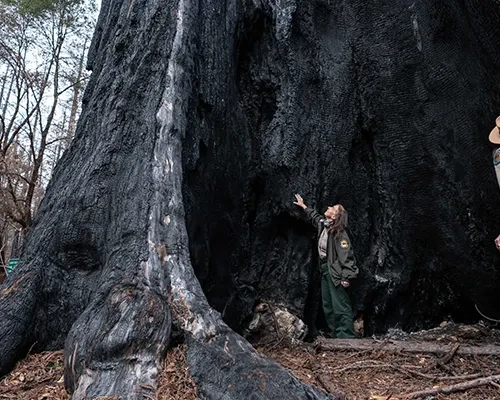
[
  {"x": 495, "y": 140},
  {"x": 338, "y": 266}
]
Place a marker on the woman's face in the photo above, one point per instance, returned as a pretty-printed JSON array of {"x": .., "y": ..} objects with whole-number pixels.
[{"x": 332, "y": 212}]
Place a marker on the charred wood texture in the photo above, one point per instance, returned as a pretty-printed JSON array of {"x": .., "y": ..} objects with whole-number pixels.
[{"x": 201, "y": 120}]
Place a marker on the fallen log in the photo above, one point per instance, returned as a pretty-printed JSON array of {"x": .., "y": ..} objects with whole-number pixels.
[
  {"x": 459, "y": 387},
  {"x": 406, "y": 346}
]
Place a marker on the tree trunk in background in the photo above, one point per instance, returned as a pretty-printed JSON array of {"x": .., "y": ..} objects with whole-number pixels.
[
  {"x": 75, "y": 101},
  {"x": 200, "y": 122}
]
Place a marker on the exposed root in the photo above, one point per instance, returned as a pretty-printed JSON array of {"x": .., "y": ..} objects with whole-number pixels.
[{"x": 484, "y": 316}]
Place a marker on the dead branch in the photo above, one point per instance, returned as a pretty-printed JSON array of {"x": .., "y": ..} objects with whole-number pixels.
[
  {"x": 459, "y": 387},
  {"x": 405, "y": 346},
  {"x": 441, "y": 362}
]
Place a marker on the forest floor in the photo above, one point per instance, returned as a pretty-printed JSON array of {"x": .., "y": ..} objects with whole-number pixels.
[{"x": 353, "y": 374}]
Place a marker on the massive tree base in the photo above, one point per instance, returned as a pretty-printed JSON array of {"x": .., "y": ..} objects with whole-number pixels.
[
  {"x": 200, "y": 121},
  {"x": 109, "y": 262},
  {"x": 346, "y": 374}
]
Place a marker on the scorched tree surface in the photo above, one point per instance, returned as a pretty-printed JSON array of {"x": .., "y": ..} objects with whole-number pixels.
[{"x": 201, "y": 120}]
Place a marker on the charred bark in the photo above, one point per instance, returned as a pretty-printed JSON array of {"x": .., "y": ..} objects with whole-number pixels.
[{"x": 200, "y": 121}]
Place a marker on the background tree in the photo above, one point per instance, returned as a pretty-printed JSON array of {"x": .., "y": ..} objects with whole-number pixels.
[{"x": 42, "y": 52}]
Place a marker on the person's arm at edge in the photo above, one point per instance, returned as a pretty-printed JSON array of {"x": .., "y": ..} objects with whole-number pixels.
[{"x": 311, "y": 213}]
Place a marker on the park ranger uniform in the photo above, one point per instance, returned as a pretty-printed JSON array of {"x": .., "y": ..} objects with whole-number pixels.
[{"x": 337, "y": 264}]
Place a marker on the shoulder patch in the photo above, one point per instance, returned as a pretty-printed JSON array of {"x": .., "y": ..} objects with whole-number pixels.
[
  {"x": 496, "y": 157},
  {"x": 344, "y": 244}
]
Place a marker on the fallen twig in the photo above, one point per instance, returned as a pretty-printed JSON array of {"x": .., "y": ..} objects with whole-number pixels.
[
  {"x": 360, "y": 353},
  {"x": 441, "y": 362},
  {"x": 407, "y": 371},
  {"x": 457, "y": 377},
  {"x": 277, "y": 343},
  {"x": 459, "y": 387},
  {"x": 330, "y": 387}
]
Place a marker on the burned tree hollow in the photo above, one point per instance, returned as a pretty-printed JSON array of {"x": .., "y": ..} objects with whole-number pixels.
[{"x": 173, "y": 205}]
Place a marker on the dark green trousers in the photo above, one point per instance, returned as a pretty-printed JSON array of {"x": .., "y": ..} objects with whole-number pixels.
[{"x": 336, "y": 306}]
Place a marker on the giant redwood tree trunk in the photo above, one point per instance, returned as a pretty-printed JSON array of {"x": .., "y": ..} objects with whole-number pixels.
[{"x": 201, "y": 120}]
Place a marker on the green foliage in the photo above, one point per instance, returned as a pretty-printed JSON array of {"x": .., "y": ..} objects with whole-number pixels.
[{"x": 40, "y": 8}]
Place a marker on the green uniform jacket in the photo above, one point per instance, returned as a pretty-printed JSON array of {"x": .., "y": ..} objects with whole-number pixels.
[{"x": 339, "y": 252}]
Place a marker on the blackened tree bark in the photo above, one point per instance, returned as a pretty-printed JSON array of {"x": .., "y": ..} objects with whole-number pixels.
[{"x": 200, "y": 121}]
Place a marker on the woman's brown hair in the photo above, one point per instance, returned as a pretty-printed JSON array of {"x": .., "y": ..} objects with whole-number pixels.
[{"x": 340, "y": 223}]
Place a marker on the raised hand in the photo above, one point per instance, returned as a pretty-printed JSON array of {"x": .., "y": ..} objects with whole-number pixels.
[{"x": 300, "y": 201}]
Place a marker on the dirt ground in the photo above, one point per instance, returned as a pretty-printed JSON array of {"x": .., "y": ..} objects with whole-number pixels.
[
  {"x": 380, "y": 375},
  {"x": 376, "y": 375},
  {"x": 350, "y": 374},
  {"x": 40, "y": 377}
]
